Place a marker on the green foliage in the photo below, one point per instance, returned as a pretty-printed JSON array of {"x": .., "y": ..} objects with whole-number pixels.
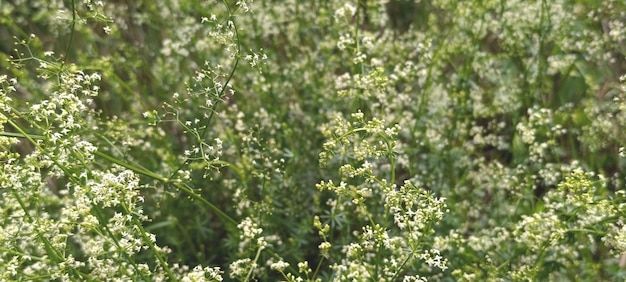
[{"x": 312, "y": 140}]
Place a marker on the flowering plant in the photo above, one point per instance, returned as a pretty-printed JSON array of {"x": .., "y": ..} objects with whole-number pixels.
[{"x": 312, "y": 140}]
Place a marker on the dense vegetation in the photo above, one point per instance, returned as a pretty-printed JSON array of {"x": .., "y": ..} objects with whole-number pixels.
[{"x": 362, "y": 140}]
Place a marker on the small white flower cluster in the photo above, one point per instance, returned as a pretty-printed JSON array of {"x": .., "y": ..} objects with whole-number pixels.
[
  {"x": 91, "y": 227},
  {"x": 345, "y": 13},
  {"x": 539, "y": 132},
  {"x": 303, "y": 268},
  {"x": 346, "y": 138},
  {"x": 240, "y": 268},
  {"x": 372, "y": 83},
  {"x": 243, "y": 5},
  {"x": 617, "y": 239},
  {"x": 414, "y": 210},
  {"x": 7, "y": 86},
  {"x": 203, "y": 274},
  {"x": 250, "y": 231},
  {"x": 279, "y": 266},
  {"x": 251, "y": 241},
  {"x": 573, "y": 221},
  {"x": 608, "y": 118},
  {"x": 255, "y": 59}
]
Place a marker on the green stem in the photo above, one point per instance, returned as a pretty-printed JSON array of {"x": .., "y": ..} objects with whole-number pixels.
[
  {"x": 72, "y": 179},
  {"x": 213, "y": 108},
  {"x": 136, "y": 169},
  {"x": 401, "y": 267},
  {"x": 50, "y": 250},
  {"x": 256, "y": 258},
  {"x": 148, "y": 240},
  {"x": 183, "y": 187},
  {"x": 98, "y": 214},
  {"x": 72, "y": 29},
  {"x": 230, "y": 76},
  {"x": 317, "y": 269}
]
